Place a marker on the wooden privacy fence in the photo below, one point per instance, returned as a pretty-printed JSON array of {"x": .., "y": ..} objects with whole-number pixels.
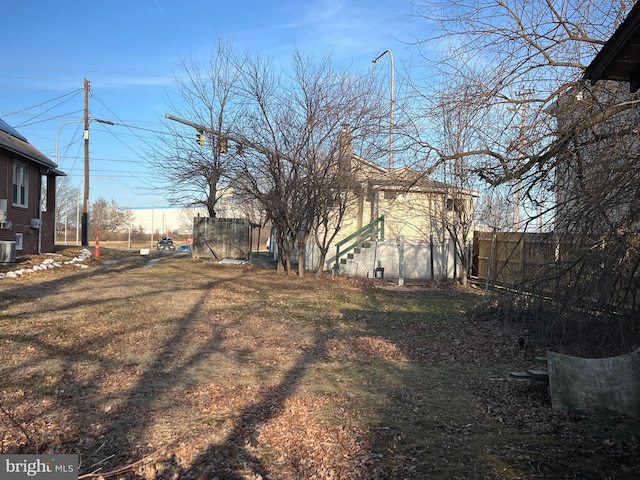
[
  {"x": 601, "y": 269},
  {"x": 531, "y": 261},
  {"x": 514, "y": 258},
  {"x": 221, "y": 238}
]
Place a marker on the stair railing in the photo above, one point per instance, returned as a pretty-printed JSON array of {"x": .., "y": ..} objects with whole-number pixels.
[{"x": 359, "y": 237}]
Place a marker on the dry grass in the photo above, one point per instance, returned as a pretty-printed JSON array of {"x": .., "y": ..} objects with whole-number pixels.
[{"x": 210, "y": 371}]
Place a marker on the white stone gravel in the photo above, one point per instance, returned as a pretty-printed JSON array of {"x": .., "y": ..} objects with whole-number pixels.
[{"x": 49, "y": 264}]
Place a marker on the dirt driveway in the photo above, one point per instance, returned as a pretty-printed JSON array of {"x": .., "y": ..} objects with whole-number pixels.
[{"x": 180, "y": 368}]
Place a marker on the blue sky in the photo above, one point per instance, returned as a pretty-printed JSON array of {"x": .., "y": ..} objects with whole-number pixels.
[{"x": 129, "y": 51}]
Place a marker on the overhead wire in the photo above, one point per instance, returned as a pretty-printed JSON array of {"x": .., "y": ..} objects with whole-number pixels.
[
  {"x": 24, "y": 124},
  {"x": 124, "y": 124},
  {"x": 69, "y": 145},
  {"x": 60, "y": 100},
  {"x": 45, "y": 102},
  {"x": 27, "y": 122},
  {"x": 114, "y": 173}
]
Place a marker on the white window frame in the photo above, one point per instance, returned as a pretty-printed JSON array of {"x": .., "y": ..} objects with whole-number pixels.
[
  {"x": 19, "y": 237},
  {"x": 20, "y": 193},
  {"x": 44, "y": 184}
]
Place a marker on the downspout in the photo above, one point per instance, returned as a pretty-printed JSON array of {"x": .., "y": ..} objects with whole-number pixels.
[{"x": 40, "y": 215}]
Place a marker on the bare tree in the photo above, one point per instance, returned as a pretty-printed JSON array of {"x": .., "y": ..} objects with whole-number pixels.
[
  {"x": 185, "y": 220},
  {"x": 566, "y": 150},
  {"x": 191, "y": 165},
  {"x": 296, "y": 167},
  {"x": 335, "y": 190},
  {"x": 510, "y": 54},
  {"x": 108, "y": 218},
  {"x": 458, "y": 215},
  {"x": 494, "y": 210},
  {"x": 66, "y": 205}
]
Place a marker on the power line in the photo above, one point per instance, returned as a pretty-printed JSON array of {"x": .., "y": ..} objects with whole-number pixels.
[
  {"x": 140, "y": 128},
  {"x": 104, "y": 159},
  {"x": 55, "y": 117},
  {"x": 113, "y": 173},
  {"x": 45, "y": 102},
  {"x": 123, "y": 124},
  {"x": 68, "y": 96}
]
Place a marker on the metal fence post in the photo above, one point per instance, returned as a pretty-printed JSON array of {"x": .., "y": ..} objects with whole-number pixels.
[{"x": 400, "y": 242}]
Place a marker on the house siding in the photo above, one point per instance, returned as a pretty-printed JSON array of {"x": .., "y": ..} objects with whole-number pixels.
[{"x": 415, "y": 215}]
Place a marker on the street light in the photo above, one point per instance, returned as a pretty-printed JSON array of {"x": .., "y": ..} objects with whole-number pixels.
[
  {"x": 392, "y": 102},
  {"x": 85, "y": 218},
  {"x": 106, "y": 122},
  {"x": 58, "y": 134}
]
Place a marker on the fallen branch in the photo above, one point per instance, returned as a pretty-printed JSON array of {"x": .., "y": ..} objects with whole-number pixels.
[
  {"x": 117, "y": 471},
  {"x": 120, "y": 470},
  {"x": 20, "y": 427}
]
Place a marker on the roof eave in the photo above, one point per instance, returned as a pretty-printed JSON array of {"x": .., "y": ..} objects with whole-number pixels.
[
  {"x": 600, "y": 66},
  {"x": 27, "y": 151}
]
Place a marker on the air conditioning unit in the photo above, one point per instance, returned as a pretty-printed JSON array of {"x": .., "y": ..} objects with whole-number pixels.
[
  {"x": 36, "y": 223},
  {"x": 7, "y": 252}
]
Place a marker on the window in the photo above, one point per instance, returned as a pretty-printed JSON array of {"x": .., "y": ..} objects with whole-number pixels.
[
  {"x": 20, "y": 179},
  {"x": 455, "y": 205},
  {"x": 44, "y": 183},
  {"x": 390, "y": 195},
  {"x": 18, "y": 241}
]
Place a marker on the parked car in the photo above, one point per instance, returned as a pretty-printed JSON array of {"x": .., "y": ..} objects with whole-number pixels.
[
  {"x": 165, "y": 243},
  {"x": 184, "y": 248}
]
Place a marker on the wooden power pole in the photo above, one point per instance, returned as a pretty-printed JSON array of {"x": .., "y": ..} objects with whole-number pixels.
[{"x": 85, "y": 200}]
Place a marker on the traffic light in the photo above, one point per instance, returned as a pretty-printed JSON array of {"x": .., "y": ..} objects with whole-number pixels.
[
  {"x": 201, "y": 139},
  {"x": 223, "y": 145}
]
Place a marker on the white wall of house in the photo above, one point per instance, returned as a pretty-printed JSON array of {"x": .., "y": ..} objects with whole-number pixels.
[{"x": 416, "y": 259}]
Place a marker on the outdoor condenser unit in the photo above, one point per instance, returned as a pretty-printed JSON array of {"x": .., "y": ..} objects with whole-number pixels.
[{"x": 7, "y": 252}]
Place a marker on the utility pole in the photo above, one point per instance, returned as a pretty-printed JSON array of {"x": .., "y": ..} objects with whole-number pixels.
[
  {"x": 521, "y": 145},
  {"x": 85, "y": 200}
]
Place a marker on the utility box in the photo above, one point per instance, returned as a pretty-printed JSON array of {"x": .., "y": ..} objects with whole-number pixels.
[{"x": 7, "y": 252}]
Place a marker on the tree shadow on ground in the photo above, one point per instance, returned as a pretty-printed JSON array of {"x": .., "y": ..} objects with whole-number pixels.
[
  {"x": 232, "y": 458},
  {"x": 125, "y": 426},
  {"x": 112, "y": 429},
  {"x": 412, "y": 367}
]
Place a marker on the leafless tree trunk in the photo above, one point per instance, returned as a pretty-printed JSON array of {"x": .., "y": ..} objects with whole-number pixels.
[{"x": 458, "y": 214}]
